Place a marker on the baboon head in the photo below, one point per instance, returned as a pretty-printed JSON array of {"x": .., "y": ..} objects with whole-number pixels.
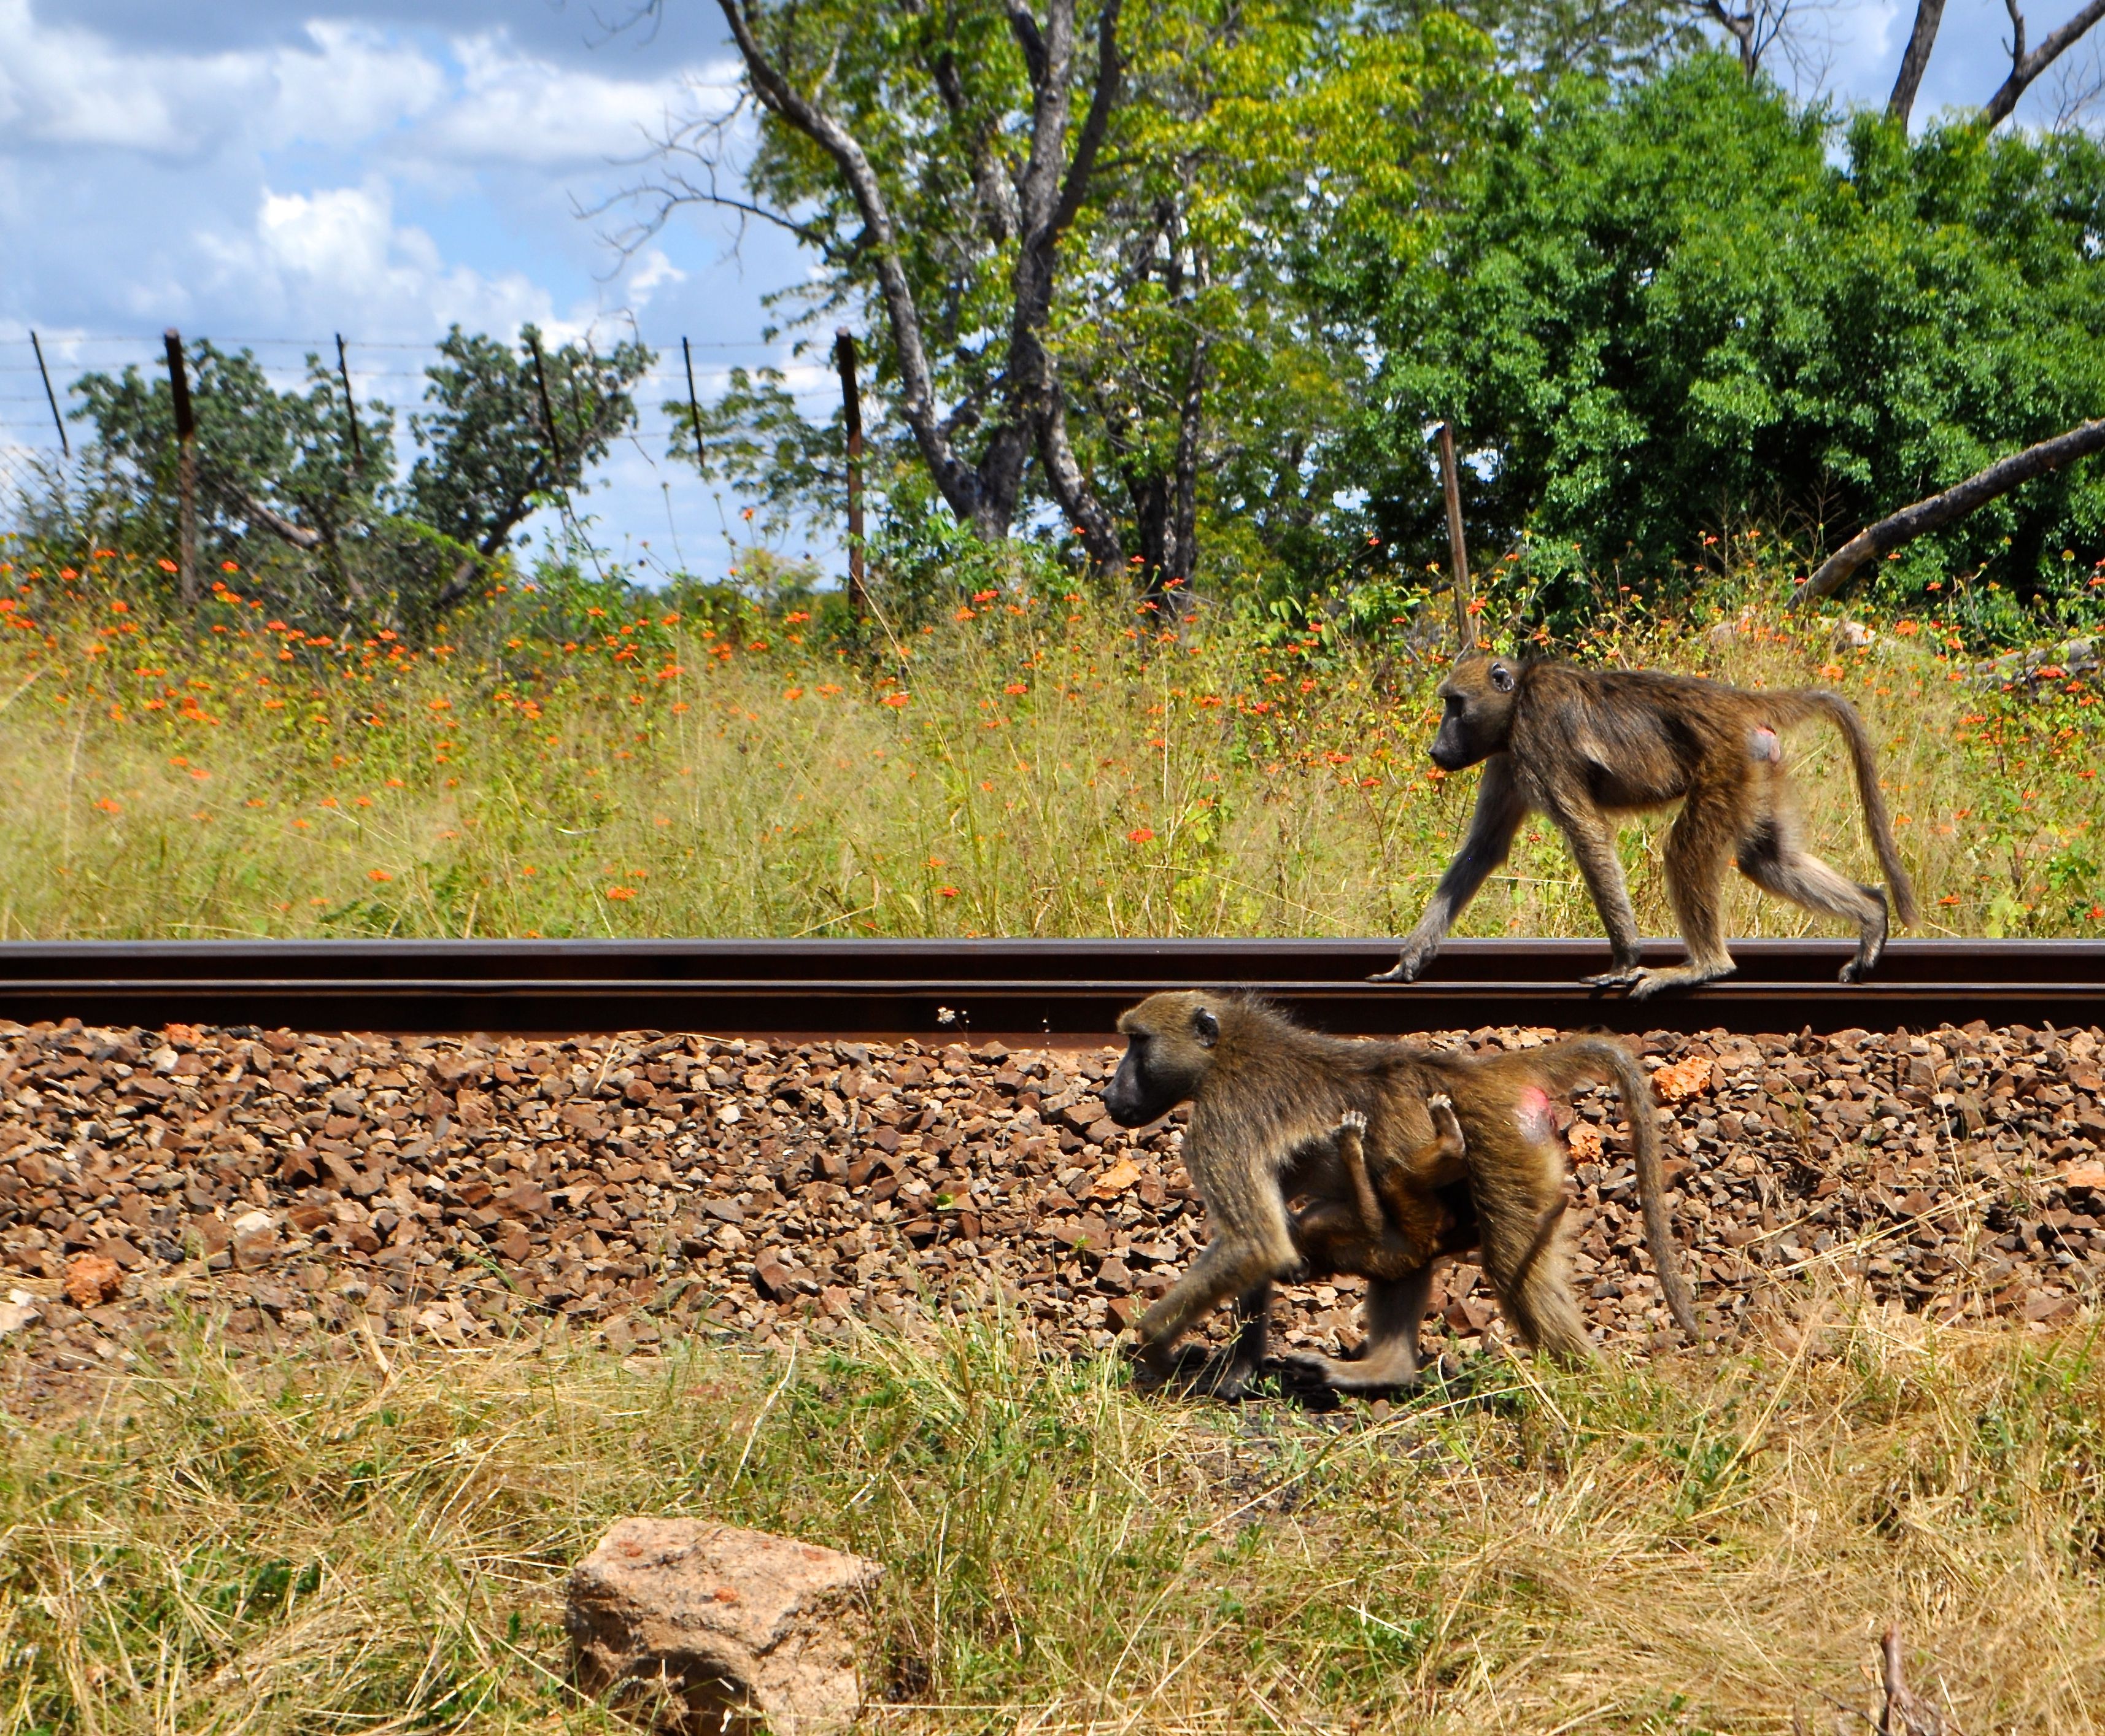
[
  {"x": 1478, "y": 695},
  {"x": 1169, "y": 1041}
]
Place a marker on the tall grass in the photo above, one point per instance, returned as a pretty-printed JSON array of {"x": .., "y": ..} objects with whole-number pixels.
[
  {"x": 304, "y": 1545},
  {"x": 1034, "y": 765}
]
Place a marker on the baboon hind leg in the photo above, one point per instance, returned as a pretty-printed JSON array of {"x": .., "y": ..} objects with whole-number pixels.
[
  {"x": 1395, "y": 1310},
  {"x": 1697, "y": 849},
  {"x": 1524, "y": 1258},
  {"x": 1771, "y": 857}
]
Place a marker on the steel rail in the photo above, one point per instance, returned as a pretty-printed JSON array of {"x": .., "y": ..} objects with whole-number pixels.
[{"x": 1012, "y": 987}]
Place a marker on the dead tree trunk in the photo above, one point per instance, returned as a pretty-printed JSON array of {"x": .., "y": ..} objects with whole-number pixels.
[{"x": 1940, "y": 510}]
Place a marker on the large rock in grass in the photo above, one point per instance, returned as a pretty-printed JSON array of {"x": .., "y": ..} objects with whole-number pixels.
[{"x": 711, "y": 1627}]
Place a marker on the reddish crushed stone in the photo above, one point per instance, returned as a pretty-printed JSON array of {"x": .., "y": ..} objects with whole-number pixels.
[{"x": 373, "y": 1189}]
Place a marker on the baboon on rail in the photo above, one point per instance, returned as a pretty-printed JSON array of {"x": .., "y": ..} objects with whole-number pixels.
[
  {"x": 1269, "y": 1103},
  {"x": 1581, "y": 744}
]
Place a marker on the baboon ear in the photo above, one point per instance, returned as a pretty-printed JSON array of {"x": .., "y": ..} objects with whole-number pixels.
[
  {"x": 1206, "y": 1027},
  {"x": 1502, "y": 678}
]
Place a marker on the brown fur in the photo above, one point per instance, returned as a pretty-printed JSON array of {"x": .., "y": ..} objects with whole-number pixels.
[
  {"x": 1270, "y": 1103},
  {"x": 1583, "y": 744}
]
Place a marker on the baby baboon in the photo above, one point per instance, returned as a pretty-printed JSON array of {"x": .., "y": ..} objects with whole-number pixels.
[
  {"x": 1268, "y": 1103},
  {"x": 1388, "y": 1230},
  {"x": 1581, "y": 744}
]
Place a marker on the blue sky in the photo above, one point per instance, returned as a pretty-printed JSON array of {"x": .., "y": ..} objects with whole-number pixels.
[{"x": 264, "y": 172}]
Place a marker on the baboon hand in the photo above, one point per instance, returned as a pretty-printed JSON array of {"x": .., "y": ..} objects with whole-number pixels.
[
  {"x": 1352, "y": 1122},
  {"x": 1440, "y": 1100}
]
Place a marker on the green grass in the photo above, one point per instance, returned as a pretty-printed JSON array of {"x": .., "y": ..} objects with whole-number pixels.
[
  {"x": 1035, "y": 765},
  {"x": 307, "y": 1544}
]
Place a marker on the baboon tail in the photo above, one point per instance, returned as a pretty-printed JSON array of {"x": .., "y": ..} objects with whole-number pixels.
[
  {"x": 1583, "y": 1059},
  {"x": 1816, "y": 702}
]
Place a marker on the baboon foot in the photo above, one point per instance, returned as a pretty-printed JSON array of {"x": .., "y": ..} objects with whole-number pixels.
[
  {"x": 1650, "y": 983},
  {"x": 1192, "y": 1372},
  {"x": 1621, "y": 977},
  {"x": 1389, "y": 1373},
  {"x": 1405, "y": 970},
  {"x": 1871, "y": 943}
]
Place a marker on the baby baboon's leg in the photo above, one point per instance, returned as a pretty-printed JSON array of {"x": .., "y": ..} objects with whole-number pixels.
[
  {"x": 1395, "y": 1309},
  {"x": 1697, "y": 849},
  {"x": 1352, "y": 1152},
  {"x": 1771, "y": 857},
  {"x": 1592, "y": 836}
]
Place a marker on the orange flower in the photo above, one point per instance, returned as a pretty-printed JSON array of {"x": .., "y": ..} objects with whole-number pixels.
[
  {"x": 107, "y": 806},
  {"x": 167, "y": 566},
  {"x": 621, "y": 895},
  {"x": 379, "y": 874},
  {"x": 894, "y": 700},
  {"x": 946, "y": 891},
  {"x": 228, "y": 566},
  {"x": 1141, "y": 834},
  {"x": 1015, "y": 687}
]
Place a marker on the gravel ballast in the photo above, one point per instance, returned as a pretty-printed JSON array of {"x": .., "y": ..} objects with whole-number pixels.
[{"x": 649, "y": 1187}]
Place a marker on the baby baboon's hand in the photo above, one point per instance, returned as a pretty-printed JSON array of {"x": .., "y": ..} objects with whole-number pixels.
[
  {"x": 1352, "y": 1122},
  {"x": 1440, "y": 1100}
]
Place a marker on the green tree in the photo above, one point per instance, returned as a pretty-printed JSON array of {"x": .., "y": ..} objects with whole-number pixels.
[
  {"x": 277, "y": 463},
  {"x": 506, "y": 432},
  {"x": 1666, "y": 311}
]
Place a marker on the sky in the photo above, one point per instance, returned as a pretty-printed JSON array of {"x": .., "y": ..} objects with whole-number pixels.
[{"x": 268, "y": 173}]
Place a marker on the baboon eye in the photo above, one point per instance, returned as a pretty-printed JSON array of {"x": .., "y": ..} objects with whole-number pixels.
[
  {"x": 1207, "y": 1026},
  {"x": 1502, "y": 678}
]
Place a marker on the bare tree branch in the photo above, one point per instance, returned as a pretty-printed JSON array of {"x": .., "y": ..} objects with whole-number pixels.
[
  {"x": 1929, "y": 14},
  {"x": 2025, "y": 67},
  {"x": 960, "y": 484},
  {"x": 1955, "y": 503}
]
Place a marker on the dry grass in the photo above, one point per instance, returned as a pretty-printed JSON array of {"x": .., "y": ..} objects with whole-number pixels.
[
  {"x": 1053, "y": 771},
  {"x": 307, "y": 1545}
]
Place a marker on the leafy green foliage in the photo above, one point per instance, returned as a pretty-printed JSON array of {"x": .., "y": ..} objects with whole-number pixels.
[
  {"x": 289, "y": 453},
  {"x": 1661, "y": 312},
  {"x": 508, "y": 430}
]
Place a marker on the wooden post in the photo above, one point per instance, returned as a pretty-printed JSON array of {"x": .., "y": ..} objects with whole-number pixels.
[
  {"x": 350, "y": 405},
  {"x": 547, "y": 411},
  {"x": 186, "y": 524},
  {"x": 51, "y": 397},
  {"x": 1465, "y": 629},
  {"x": 844, "y": 354},
  {"x": 693, "y": 403}
]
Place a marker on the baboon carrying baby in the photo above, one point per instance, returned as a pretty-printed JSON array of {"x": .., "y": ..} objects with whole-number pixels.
[
  {"x": 1581, "y": 744},
  {"x": 1278, "y": 1111}
]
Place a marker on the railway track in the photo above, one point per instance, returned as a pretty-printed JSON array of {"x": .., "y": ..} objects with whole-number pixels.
[{"x": 1040, "y": 989}]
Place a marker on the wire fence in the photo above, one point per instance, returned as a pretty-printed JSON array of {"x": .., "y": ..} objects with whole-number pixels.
[{"x": 383, "y": 371}]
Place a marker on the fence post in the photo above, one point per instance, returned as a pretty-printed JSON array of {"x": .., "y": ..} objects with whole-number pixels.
[
  {"x": 66, "y": 445},
  {"x": 693, "y": 403},
  {"x": 547, "y": 410},
  {"x": 350, "y": 405},
  {"x": 844, "y": 354},
  {"x": 1465, "y": 632},
  {"x": 186, "y": 524}
]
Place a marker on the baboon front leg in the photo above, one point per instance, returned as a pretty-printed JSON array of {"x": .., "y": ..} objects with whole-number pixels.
[
  {"x": 1230, "y": 1376},
  {"x": 1237, "y": 1262},
  {"x": 1492, "y": 827},
  {"x": 1696, "y": 850},
  {"x": 1771, "y": 858},
  {"x": 1592, "y": 836},
  {"x": 1395, "y": 1310}
]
